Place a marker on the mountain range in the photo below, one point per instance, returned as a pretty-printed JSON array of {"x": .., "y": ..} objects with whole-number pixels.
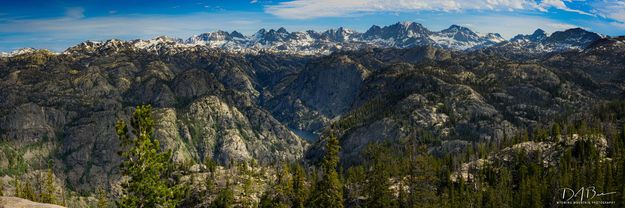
[
  {"x": 399, "y": 35},
  {"x": 269, "y": 98}
]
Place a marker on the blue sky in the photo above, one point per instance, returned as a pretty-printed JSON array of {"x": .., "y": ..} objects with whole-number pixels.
[{"x": 57, "y": 25}]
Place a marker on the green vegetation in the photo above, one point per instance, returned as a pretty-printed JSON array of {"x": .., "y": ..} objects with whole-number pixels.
[
  {"x": 225, "y": 198},
  {"x": 1, "y": 187},
  {"x": 102, "y": 198},
  {"x": 389, "y": 174},
  {"x": 48, "y": 193},
  {"x": 17, "y": 165},
  {"x": 148, "y": 168},
  {"x": 328, "y": 192}
]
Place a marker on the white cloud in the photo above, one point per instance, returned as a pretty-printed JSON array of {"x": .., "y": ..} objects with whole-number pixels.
[
  {"x": 506, "y": 25},
  {"x": 563, "y": 26},
  {"x": 307, "y": 9},
  {"x": 253, "y": 1},
  {"x": 559, "y": 4},
  {"x": 611, "y": 9},
  {"x": 59, "y": 33}
]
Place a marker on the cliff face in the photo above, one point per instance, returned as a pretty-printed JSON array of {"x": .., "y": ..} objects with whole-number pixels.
[
  {"x": 234, "y": 107},
  {"x": 206, "y": 106}
]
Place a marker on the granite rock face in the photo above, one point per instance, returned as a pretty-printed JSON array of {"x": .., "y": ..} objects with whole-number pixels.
[
  {"x": 206, "y": 105},
  {"x": 268, "y": 107}
]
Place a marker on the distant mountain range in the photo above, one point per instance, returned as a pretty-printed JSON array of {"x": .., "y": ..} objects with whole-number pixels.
[{"x": 399, "y": 35}]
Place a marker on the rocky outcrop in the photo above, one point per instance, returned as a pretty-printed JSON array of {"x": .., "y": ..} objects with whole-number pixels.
[
  {"x": 31, "y": 123},
  {"x": 14, "y": 202},
  {"x": 546, "y": 153},
  {"x": 205, "y": 106},
  {"x": 212, "y": 128}
]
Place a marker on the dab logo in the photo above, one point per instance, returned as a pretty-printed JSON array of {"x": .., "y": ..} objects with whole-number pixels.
[{"x": 584, "y": 195}]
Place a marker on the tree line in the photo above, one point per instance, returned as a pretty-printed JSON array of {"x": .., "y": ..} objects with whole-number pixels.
[{"x": 391, "y": 175}]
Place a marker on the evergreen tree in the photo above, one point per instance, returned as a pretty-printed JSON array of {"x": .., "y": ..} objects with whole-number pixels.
[
  {"x": 555, "y": 130},
  {"x": 63, "y": 201},
  {"x": 145, "y": 164},
  {"x": 284, "y": 188},
  {"x": 328, "y": 192},
  {"x": 27, "y": 191},
  {"x": 102, "y": 198},
  {"x": 378, "y": 178},
  {"x": 225, "y": 198},
  {"x": 211, "y": 165},
  {"x": 266, "y": 200},
  {"x": 422, "y": 177},
  {"x": 299, "y": 191},
  {"x": 1, "y": 187},
  {"x": 18, "y": 187},
  {"x": 48, "y": 195},
  {"x": 209, "y": 185},
  {"x": 503, "y": 189},
  {"x": 354, "y": 183},
  {"x": 620, "y": 144}
]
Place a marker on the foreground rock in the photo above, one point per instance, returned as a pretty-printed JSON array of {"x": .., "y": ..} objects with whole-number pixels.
[{"x": 14, "y": 202}]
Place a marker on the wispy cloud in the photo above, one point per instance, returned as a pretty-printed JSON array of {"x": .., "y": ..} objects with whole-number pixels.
[
  {"x": 507, "y": 25},
  {"x": 561, "y": 5},
  {"x": 611, "y": 9},
  {"x": 563, "y": 26},
  {"x": 61, "y": 32},
  {"x": 308, "y": 9}
]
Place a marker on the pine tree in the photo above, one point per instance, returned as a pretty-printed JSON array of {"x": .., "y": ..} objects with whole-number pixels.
[
  {"x": 421, "y": 177},
  {"x": 209, "y": 185},
  {"x": 48, "y": 195},
  {"x": 1, "y": 187},
  {"x": 378, "y": 186},
  {"x": 225, "y": 198},
  {"x": 284, "y": 188},
  {"x": 354, "y": 183},
  {"x": 145, "y": 164},
  {"x": 28, "y": 192},
  {"x": 63, "y": 200},
  {"x": 38, "y": 190},
  {"x": 621, "y": 142},
  {"x": 378, "y": 177},
  {"x": 555, "y": 131},
  {"x": 102, "y": 198},
  {"x": 503, "y": 189},
  {"x": 299, "y": 191},
  {"x": 328, "y": 192},
  {"x": 18, "y": 187}
]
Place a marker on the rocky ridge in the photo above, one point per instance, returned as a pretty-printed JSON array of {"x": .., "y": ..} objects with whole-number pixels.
[{"x": 398, "y": 35}]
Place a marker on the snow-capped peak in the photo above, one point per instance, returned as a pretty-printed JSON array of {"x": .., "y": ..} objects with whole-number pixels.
[
  {"x": 23, "y": 51},
  {"x": 398, "y": 35}
]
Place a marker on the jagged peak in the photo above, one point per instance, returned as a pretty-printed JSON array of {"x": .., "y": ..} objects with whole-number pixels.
[
  {"x": 282, "y": 30},
  {"x": 261, "y": 31},
  {"x": 22, "y": 51},
  {"x": 237, "y": 34},
  {"x": 406, "y": 23},
  {"x": 539, "y": 32},
  {"x": 164, "y": 38},
  {"x": 400, "y": 35},
  {"x": 579, "y": 35},
  {"x": 457, "y": 28}
]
